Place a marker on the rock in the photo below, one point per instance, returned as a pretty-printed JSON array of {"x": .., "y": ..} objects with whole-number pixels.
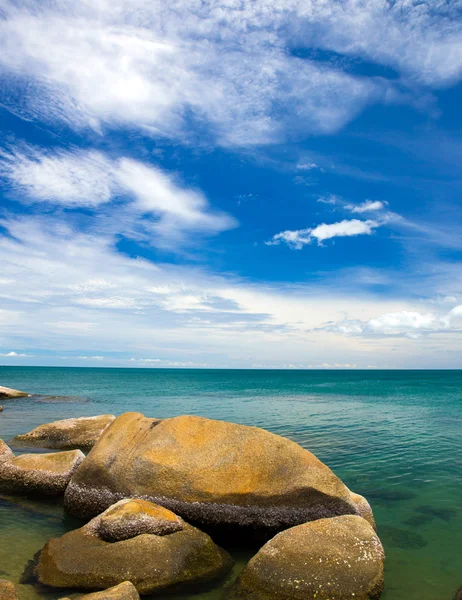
[
  {"x": 37, "y": 473},
  {"x": 7, "y": 590},
  {"x": 364, "y": 508},
  {"x": 1, "y": 408},
  {"x": 210, "y": 472},
  {"x": 339, "y": 558},
  {"x": 82, "y": 432},
  {"x": 129, "y": 518},
  {"x": 458, "y": 594},
  {"x": 123, "y": 591},
  {"x": 151, "y": 561},
  {"x": 10, "y": 393}
]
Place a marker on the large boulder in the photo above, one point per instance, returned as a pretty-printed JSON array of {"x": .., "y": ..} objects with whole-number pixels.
[
  {"x": 7, "y": 590},
  {"x": 339, "y": 558},
  {"x": 82, "y": 432},
  {"x": 142, "y": 549},
  {"x": 6, "y": 392},
  {"x": 208, "y": 472},
  {"x": 37, "y": 473},
  {"x": 123, "y": 591}
]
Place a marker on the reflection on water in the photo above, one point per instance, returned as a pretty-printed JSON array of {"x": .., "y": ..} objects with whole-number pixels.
[{"x": 392, "y": 436}]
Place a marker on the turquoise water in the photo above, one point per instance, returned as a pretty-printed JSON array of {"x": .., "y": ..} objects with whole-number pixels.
[{"x": 394, "y": 436}]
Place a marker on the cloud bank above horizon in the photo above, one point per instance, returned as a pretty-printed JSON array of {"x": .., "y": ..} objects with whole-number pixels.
[{"x": 234, "y": 185}]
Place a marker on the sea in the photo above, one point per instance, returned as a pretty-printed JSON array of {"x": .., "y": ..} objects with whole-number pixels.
[{"x": 393, "y": 436}]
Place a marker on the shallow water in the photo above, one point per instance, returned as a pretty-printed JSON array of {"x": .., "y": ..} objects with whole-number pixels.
[{"x": 393, "y": 436}]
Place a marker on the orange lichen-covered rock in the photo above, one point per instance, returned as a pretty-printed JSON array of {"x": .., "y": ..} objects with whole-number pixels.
[
  {"x": 123, "y": 591},
  {"x": 329, "y": 559},
  {"x": 144, "y": 553},
  {"x": 207, "y": 471}
]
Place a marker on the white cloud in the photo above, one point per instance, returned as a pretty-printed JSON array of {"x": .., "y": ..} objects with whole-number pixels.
[
  {"x": 330, "y": 199},
  {"x": 165, "y": 68},
  {"x": 296, "y": 239},
  {"x": 14, "y": 354},
  {"x": 90, "y": 179},
  {"x": 409, "y": 323},
  {"x": 367, "y": 206}
]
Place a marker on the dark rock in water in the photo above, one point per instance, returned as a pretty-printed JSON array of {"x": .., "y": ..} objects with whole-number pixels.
[
  {"x": 458, "y": 594},
  {"x": 445, "y": 514},
  {"x": 389, "y": 495},
  {"x": 402, "y": 538},
  {"x": 58, "y": 399},
  {"x": 209, "y": 472},
  {"x": 29, "y": 575},
  {"x": 156, "y": 558},
  {"x": 7, "y": 590},
  {"x": 339, "y": 558},
  {"x": 123, "y": 591},
  {"x": 1, "y": 408},
  {"x": 46, "y": 474},
  {"x": 418, "y": 520}
]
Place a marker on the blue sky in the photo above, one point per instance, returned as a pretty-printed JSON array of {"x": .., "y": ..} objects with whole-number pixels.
[{"x": 235, "y": 184}]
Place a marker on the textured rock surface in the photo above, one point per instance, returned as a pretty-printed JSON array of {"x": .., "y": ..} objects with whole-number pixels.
[
  {"x": 6, "y": 392},
  {"x": 123, "y": 591},
  {"x": 82, "y": 559},
  {"x": 364, "y": 508},
  {"x": 37, "y": 473},
  {"x": 129, "y": 518},
  {"x": 458, "y": 594},
  {"x": 7, "y": 590},
  {"x": 82, "y": 432},
  {"x": 207, "y": 471},
  {"x": 339, "y": 558}
]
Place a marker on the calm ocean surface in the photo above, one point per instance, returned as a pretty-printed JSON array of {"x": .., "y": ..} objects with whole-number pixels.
[{"x": 394, "y": 436}]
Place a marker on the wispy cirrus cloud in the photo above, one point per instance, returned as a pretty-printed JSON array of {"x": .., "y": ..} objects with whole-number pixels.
[
  {"x": 166, "y": 70},
  {"x": 366, "y": 206},
  {"x": 298, "y": 238}
]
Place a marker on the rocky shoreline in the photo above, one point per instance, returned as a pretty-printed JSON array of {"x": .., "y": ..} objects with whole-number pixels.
[{"x": 148, "y": 487}]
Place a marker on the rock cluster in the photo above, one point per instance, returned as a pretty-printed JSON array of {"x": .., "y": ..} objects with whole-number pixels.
[
  {"x": 149, "y": 546},
  {"x": 47, "y": 474},
  {"x": 82, "y": 432},
  {"x": 144, "y": 479}
]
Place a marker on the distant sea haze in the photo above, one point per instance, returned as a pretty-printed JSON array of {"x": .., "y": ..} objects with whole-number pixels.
[{"x": 393, "y": 436}]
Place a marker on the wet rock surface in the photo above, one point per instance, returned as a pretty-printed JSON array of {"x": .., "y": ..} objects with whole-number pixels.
[
  {"x": 338, "y": 558},
  {"x": 47, "y": 474},
  {"x": 123, "y": 591},
  {"x": 82, "y": 432},
  {"x": 210, "y": 472},
  {"x": 152, "y": 562}
]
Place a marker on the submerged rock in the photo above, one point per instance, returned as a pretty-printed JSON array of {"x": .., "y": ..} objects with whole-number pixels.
[
  {"x": 403, "y": 538},
  {"x": 151, "y": 561},
  {"x": 123, "y": 591},
  {"x": 37, "y": 473},
  {"x": 81, "y": 432},
  {"x": 458, "y": 594},
  {"x": 339, "y": 558},
  {"x": 7, "y": 590},
  {"x": 211, "y": 472},
  {"x": 10, "y": 393}
]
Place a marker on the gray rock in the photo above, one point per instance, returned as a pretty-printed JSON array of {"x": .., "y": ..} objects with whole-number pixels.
[
  {"x": 81, "y": 432},
  {"x": 47, "y": 474},
  {"x": 6, "y": 392}
]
